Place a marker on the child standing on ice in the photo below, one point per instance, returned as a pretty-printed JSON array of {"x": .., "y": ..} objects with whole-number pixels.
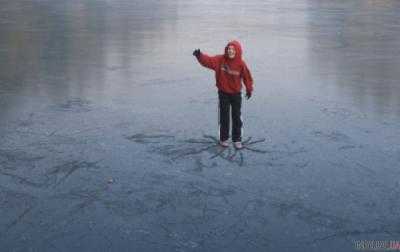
[{"x": 230, "y": 70}]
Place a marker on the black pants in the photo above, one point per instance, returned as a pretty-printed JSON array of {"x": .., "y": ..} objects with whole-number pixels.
[{"x": 227, "y": 101}]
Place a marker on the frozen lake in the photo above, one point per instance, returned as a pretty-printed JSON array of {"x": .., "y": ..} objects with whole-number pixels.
[{"x": 108, "y": 126}]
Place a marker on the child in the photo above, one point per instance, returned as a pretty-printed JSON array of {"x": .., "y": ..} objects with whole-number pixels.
[{"x": 229, "y": 69}]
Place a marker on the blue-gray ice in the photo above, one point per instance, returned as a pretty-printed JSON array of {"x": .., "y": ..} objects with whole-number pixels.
[{"x": 108, "y": 126}]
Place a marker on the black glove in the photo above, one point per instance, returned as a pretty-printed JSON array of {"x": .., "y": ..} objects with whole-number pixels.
[
  {"x": 248, "y": 95},
  {"x": 196, "y": 53}
]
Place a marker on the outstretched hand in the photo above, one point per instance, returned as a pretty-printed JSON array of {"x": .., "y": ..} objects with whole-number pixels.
[
  {"x": 248, "y": 95},
  {"x": 196, "y": 53}
]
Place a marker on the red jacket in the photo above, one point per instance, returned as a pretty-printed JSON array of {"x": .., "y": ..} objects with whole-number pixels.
[{"x": 229, "y": 72}]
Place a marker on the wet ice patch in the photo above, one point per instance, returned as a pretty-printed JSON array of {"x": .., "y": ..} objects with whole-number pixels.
[
  {"x": 74, "y": 105},
  {"x": 114, "y": 68},
  {"x": 311, "y": 215},
  {"x": 346, "y": 143},
  {"x": 18, "y": 204},
  {"x": 14, "y": 159},
  {"x": 338, "y": 110},
  {"x": 334, "y": 136},
  {"x": 26, "y": 122},
  {"x": 148, "y": 138},
  {"x": 60, "y": 173}
]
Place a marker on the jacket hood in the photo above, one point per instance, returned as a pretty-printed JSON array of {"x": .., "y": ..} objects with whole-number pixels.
[{"x": 238, "y": 49}]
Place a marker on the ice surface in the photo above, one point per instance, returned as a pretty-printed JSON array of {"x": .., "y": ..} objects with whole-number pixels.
[{"x": 108, "y": 126}]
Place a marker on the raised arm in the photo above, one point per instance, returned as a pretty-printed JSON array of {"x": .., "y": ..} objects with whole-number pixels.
[{"x": 210, "y": 62}]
